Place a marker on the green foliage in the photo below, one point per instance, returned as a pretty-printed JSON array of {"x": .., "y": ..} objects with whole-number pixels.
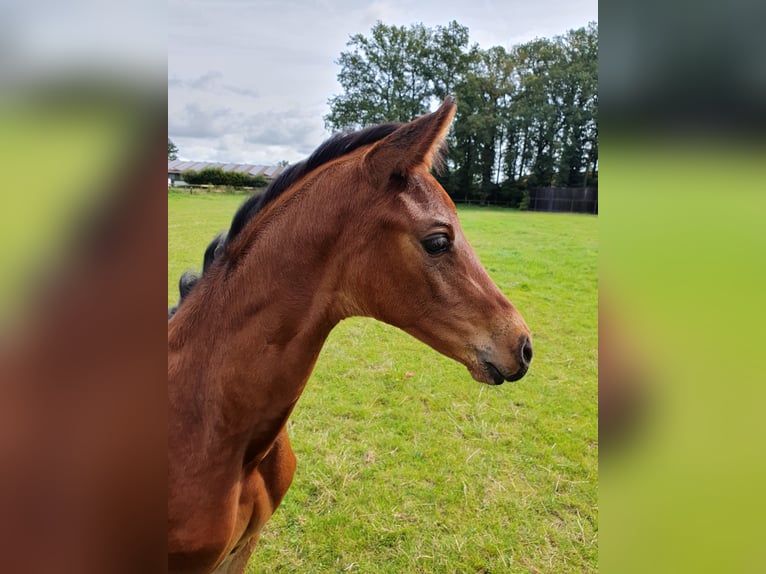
[
  {"x": 220, "y": 178},
  {"x": 405, "y": 464},
  {"x": 172, "y": 150},
  {"x": 526, "y": 116},
  {"x": 394, "y": 74},
  {"x": 524, "y": 202}
]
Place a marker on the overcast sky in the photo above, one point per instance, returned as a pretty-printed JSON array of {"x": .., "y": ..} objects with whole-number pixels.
[{"x": 249, "y": 80}]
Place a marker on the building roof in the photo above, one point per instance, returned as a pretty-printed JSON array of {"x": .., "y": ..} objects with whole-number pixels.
[{"x": 268, "y": 171}]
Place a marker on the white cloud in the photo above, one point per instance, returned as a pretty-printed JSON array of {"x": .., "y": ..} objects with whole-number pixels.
[
  {"x": 208, "y": 133},
  {"x": 199, "y": 121},
  {"x": 211, "y": 82}
]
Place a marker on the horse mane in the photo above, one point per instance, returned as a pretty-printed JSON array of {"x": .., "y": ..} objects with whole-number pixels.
[
  {"x": 336, "y": 146},
  {"x": 189, "y": 278}
]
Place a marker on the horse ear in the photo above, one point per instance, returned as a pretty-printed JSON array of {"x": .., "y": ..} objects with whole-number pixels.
[{"x": 412, "y": 145}]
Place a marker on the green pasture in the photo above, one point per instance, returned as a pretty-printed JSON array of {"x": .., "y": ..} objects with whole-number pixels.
[{"x": 405, "y": 464}]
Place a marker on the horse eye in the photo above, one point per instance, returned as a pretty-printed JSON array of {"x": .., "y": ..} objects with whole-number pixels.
[{"x": 436, "y": 244}]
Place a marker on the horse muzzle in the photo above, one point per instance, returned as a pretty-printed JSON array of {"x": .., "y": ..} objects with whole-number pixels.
[{"x": 494, "y": 372}]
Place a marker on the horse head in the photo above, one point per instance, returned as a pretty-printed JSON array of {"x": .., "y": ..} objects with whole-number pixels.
[{"x": 415, "y": 268}]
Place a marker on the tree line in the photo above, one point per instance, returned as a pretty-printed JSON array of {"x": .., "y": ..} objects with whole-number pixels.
[{"x": 527, "y": 116}]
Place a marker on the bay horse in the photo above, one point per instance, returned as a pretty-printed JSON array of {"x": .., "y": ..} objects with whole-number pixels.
[{"x": 360, "y": 228}]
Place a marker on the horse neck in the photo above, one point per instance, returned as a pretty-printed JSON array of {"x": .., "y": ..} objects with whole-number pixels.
[{"x": 250, "y": 334}]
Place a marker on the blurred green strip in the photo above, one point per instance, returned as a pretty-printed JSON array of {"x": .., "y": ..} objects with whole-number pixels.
[
  {"x": 58, "y": 161},
  {"x": 683, "y": 224}
]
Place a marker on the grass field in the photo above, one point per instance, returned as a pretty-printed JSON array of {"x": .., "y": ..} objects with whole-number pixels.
[{"x": 405, "y": 464}]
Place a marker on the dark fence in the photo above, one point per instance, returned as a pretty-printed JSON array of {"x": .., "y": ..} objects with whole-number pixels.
[{"x": 572, "y": 199}]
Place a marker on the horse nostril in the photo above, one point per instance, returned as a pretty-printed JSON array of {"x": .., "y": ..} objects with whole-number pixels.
[{"x": 525, "y": 351}]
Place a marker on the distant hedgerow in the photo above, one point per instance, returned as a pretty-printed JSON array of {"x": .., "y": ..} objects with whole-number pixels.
[{"x": 218, "y": 177}]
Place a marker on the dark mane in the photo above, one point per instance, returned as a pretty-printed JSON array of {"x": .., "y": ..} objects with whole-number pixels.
[
  {"x": 189, "y": 278},
  {"x": 338, "y": 145}
]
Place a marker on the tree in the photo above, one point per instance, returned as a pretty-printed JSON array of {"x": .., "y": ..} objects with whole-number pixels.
[
  {"x": 172, "y": 150},
  {"x": 526, "y": 117},
  {"x": 579, "y": 73},
  {"x": 384, "y": 77},
  {"x": 540, "y": 105},
  {"x": 448, "y": 57}
]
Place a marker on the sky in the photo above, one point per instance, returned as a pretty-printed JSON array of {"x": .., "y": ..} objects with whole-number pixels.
[{"x": 249, "y": 80}]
